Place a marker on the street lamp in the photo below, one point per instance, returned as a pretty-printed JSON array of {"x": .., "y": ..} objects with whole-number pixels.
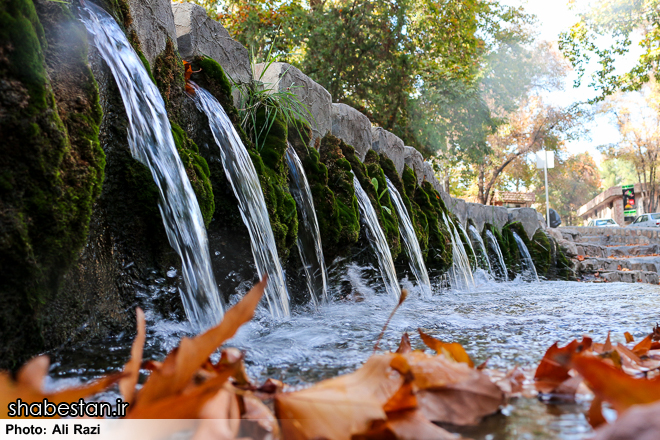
[{"x": 545, "y": 160}]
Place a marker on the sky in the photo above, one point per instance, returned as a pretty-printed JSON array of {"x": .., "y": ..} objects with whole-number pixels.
[{"x": 554, "y": 17}]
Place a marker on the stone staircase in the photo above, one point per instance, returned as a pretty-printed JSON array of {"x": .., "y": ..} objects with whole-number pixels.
[{"x": 630, "y": 255}]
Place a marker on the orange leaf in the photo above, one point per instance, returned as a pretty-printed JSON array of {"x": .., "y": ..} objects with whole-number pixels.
[
  {"x": 595, "y": 414},
  {"x": 402, "y": 400},
  {"x": 405, "y": 425},
  {"x": 553, "y": 368},
  {"x": 181, "y": 364},
  {"x": 614, "y": 386},
  {"x": 132, "y": 368},
  {"x": 258, "y": 421},
  {"x": 454, "y": 349},
  {"x": 629, "y": 337},
  {"x": 644, "y": 346}
]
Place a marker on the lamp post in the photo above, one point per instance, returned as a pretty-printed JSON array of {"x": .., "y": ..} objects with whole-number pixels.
[{"x": 546, "y": 161}]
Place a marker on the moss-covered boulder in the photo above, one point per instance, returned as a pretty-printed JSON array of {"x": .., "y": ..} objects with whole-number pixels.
[
  {"x": 515, "y": 257},
  {"x": 51, "y": 165},
  {"x": 420, "y": 222},
  {"x": 541, "y": 252},
  {"x": 378, "y": 194},
  {"x": 439, "y": 257},
  {"x": 492, "y": 255}
]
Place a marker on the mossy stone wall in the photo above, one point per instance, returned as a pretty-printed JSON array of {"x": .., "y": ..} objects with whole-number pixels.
[{"x": 51, "y": 164}]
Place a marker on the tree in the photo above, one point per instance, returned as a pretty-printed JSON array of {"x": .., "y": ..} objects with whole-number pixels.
[
  {"x": 638, "y": 120},
  {"x": 615, "y": 172},
  {"x": 535, "y": 125},
  {"x": 619, "y": 20}
]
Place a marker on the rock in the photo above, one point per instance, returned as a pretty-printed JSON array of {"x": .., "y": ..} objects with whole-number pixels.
[
  {"x": 555, "y": 233},
  {"x": 528, "y": 218},
  {"x": 153, "y": 23},
  {"x": 352, "y": 127},
  {"x": 415, "y": 161},
  {"x": 390, "y": 145},
  {"x": 429, "y": 175},
  {"x": 198, "y": 35},
  {"x": 283, "y": 76},
  {"x": 459, "y": 208},
  {"x": 569, "y": 248}
]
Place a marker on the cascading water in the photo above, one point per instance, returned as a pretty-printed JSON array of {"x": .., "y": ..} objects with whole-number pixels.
[
  {"x": 494, "y": 245},
  {"x": 526, "y": 258},
  {"x": 151, "y": 142},
  {"x": 460, "y": 273},
  {"x": 469, "y": 242},
  {"x": 244, "y": 180},
  {"x": 309, "y": 237},
  {"x": 378, "y": 241},
  {"x": 410, "y": 241},
  {"x": 476, "y": 237}
]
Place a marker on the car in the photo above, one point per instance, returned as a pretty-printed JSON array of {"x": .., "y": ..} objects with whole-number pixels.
[
  {"x": 651, "y": 220},
  {"x": 603, "y": 223}
]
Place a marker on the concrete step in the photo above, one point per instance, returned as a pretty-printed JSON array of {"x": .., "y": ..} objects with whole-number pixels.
[
  {"x": 620, "y": 250},
  {"x": 591, "y": 265},
  {"x": 634, "y": 276}
]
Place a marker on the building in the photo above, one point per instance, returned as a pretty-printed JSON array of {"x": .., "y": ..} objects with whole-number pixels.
[
  {"x": 609, "y": 204},
  {"x": 513, "y": 199}
]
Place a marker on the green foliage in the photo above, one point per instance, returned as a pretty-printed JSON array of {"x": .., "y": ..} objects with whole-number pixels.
[
  {"x": 618, "y": 20},
  {"x": 615, "y": 172}
]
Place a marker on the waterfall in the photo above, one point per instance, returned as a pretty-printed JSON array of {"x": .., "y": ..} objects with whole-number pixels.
[
  {"x": 410, "y": 241},
  {"x": 467, "y": 237},
  {"x": 526, "y": 259},
  {"x": 482, "y": 247},
  {"x": 309, "y": 237},
  {"x": 244, "y": 181},
  {"x": 494, "y": 245},
  {"x": 378, "y": 241},
  {"x": 460, "y": 272},
  {"x": 151, "y": 142}
]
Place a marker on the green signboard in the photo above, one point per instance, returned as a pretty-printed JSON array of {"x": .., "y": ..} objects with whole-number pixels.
[{"x": 629, "y": 204}]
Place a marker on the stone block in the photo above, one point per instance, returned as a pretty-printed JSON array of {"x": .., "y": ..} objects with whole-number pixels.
[
  {"x": 415, "y": 161},
  {"x": 477, "y": 213},
  {"x": 429, "y": 175},
  {"x": 283, "y": 76},
  {"x": 459, "y": 208},
  {"x": 153, "y": 23},
  {"x": 384, "y": 142},
  {"x": 197, "y": 34},
  {"x": 528, "y": 218},
  {"x": 352, "y": 127}
]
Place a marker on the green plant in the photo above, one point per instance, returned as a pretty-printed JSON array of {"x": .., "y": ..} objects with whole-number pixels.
[
  {"x": 258, "y": 99},
  {"x": 374, "y": 182}
]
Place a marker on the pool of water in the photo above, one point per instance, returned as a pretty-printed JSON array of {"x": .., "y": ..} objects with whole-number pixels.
[{"x": 507, "y": 324}]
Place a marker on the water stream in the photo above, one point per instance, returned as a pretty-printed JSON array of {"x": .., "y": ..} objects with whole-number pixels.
[
  {"x": 528, "y": 269},
  {"x": 495, "y": 246},
  {"x": 151, "y": 142},
  {"x": 483, "y": 257},
  {"x": 244, "y": 181},
  {"x": 410, "y": 241},
  {"x": 378, "y": 241},
  {"x": 309, "y": 237},
  {"x": 460, "y": 273}
]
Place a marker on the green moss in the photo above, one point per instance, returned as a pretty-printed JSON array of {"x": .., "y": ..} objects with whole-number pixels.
[
  {"x": 564, "y": 267},
  {"x": 420, "y": 222},
  {"x": 52, "y": 164},
  {"x": 514, "y": 264},
  {"x": 541, "y": 251},
  {"x": 197, "y": 170},
  {"x": 465, "y": 241},
  {"x": 365, "y": 172},
  {"x": 439, "y": 255},
  {"x": 168, "y": 73}
]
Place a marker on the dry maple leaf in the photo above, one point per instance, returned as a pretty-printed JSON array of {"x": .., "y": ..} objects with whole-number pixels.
[
  {"x": 187, "y": 73},
  {"x": 29, "y": 382},
  {"x": 132, "y": 368},
  {"x": 404, "y": 346},
  {"x": 580, "y": 257},
  {"x": 454, "y": 350},
  {"x": 629, "y": 337},
  {"x": 553, "y": 369},
  {"x": 182, "y": 364},
  {"x": 613, "y": 385},
  {"x": 337, "y": 408},
  {"x": 595, "y": 413},
  {"x": 641, "y": 422}
]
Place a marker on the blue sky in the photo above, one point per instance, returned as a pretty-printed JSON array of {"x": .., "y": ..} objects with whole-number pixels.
[{"x": 555, "y": 17}]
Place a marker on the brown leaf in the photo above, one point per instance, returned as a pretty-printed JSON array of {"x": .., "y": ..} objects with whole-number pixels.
[
  {"x": 451, "y": 392},
  {"x": 641, "y": 422},
  {"x": 132, "y": 368},
  {"x": 339, "y": 407},
  {"x": 613, "y": 385},
  {"x": 512, "y": 383},
  {"x": 258, "y": 421},
  {"x": 629, "y": 337},
  {"x": 405, "y": 425},
  {"x": 453, "y": 350},
  {"x": 553, "y": 368},
  {"x": 595, "y": 414},
  {"x": 404, "y": 346},
  {"x": 181, "y": 364},
  {"x": 222, "y": 416},
  {"x": 643, "y": 346}
]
